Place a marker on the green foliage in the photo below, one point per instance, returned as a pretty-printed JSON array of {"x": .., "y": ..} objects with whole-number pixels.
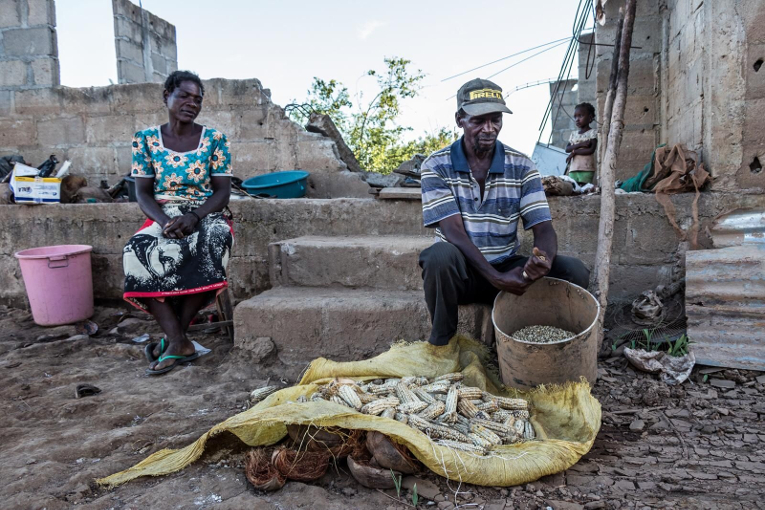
[
  {"x": 676, "y": 348},
  {"x": 370, "y": 128},
  {"x": 415, "y": 497},
  {"x": 396, "y": 483}
]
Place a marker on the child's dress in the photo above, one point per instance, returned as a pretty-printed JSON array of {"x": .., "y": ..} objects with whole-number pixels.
[{"x": 582, "y": 168}]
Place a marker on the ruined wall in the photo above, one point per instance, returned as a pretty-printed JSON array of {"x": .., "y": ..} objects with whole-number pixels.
[
  {"x": 146, "y": 49},
  {"x": 93, "y": 127},
  {"x": 562, "y": 118},
  {"x": 645, "y": 244},
  {"x": 641, "y": 118},
  {"x": 28, "y": 49}
]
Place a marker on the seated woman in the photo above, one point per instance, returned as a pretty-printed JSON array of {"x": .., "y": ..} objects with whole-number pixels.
[{"x": 176, "y": 263}]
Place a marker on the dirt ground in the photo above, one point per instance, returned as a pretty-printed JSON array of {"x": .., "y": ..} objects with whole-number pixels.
[{"x": 700, "y": 445}]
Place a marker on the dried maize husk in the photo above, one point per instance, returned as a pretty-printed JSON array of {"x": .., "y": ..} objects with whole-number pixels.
[
  {"x": 452, "y": 377},
  {"x": 485, "y": 433},
  {"x": 261, "y": 393},
  {"x": 433, "y": 411},
  {"x": 471, "y": 448},
  {"x": 437, "y": 431},
  {"x": 470, "y": 393},
  {"x": 423, "y": 395},
  {"x": 347, "y": 393},
  {"x": 378, "y": 406}
]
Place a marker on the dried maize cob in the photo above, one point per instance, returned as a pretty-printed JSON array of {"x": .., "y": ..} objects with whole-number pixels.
[
  {"x": 378, "y": 406},
  {"x": 316, "y": 397},
  {"x": 511, "y": 439},
  {"x": 437, "y": 387},
  {"x": 482, "y": 415},
  {"x": 392, "y": 381},
  {"x": 485, "y": 433},
  {"x": 470, "y": 393},
  {"x": 466, "y": 408},
  {"x": 462, "y": 420},
  {"x": 479, "y": 441},
  {"x": 403, "y": 418},
  {"x": 423, "y": 395},
  {"x": 500, "y": 416},
  {"x": 454, "y": 445},
  {"x": 510, "y": 421},
  {"x": 337, "y": 400},
  {"x": 441, "y": 397},
  {"x": 301, "y": 399},
  {"x": 421, "y": 381},
  {"x": 261, "y": 393},
  {"x": 364, "y": 387},
  {"x": 452, "y": 377},
  {"x": 523, "y": 415},
  {"x": 366, "y": 398},
  {"x": 511, "y": 404},
  {"x": 488, "y": 407},
  {"x": 408, "y": 380},
  {"x": 461, "y": 428},
  {"x": 437, "y": 431},
  {"x": 450, "y": 412},
  {"x": 433, "y": 411},
  {"x": 520, "y": 427},
  {"x": 348, "y": 394},
  {"x": 389, "y": 413},
  {"x": 381, "y": 390},
  {"x": 378, "y": 381},
  {"x": 498, "y": 428},
  {"x": 405, "y": 395},
  {"x": 528, "y": 431},
  {"x": 411, "y": 407}
]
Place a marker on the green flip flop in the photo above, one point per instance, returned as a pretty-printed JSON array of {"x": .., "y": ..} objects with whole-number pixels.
[
  {"x": 149, "y": 350},
  {"x": 181, "y": 359}
]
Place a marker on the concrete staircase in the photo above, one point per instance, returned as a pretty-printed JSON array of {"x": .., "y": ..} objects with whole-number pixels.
[{"x": 344, "y": 298}]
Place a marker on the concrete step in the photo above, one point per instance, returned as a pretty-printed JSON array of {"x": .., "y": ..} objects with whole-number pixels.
[
  {"x": 373, "y": 262},
  {"x": 285, "y": 328}
]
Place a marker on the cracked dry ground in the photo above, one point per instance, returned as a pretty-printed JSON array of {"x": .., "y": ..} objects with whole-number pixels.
[{"x": 701, "y": 446}]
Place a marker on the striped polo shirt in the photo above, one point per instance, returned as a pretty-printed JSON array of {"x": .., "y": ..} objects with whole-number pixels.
[{"x": 513, "y": 190}]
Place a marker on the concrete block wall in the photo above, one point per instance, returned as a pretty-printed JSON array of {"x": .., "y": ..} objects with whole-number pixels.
[
  {"x": 28, "y": 47},
  {"x": 93, "y": 127},
  {"x": 645, "y": 244},
  {"x": 146, "y": 44}
]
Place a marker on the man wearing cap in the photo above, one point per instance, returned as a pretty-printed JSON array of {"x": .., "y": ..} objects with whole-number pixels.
[{"x": 473, "y": 194}]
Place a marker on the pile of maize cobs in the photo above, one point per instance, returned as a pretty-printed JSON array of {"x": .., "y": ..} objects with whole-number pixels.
[{"x": 460, "y": 417}]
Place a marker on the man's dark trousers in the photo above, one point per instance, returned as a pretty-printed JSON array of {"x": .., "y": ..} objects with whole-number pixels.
[{"x": 450, "y": 281}]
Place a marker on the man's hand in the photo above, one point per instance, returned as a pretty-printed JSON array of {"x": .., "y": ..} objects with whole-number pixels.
[
  {"x": 537, "y": 266},
  {"x": 180, "y": 226},
  {"x": 512, "y": 281}
]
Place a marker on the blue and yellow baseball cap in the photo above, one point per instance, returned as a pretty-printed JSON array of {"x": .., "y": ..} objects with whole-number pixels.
[{"x": 479, "y": 97}]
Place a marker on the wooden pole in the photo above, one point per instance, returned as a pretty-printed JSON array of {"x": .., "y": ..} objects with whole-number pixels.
[
  {"x": 608, "y": 108},
  {"x": 608, "y": 169}
]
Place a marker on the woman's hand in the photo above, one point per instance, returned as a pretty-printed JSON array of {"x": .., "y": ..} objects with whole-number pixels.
[{"x": 180, "y": 226}]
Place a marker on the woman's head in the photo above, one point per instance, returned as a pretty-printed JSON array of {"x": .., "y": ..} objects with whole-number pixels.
[
  {"x": 183, "y": 95},
  {"x": 584, "y": 114}
]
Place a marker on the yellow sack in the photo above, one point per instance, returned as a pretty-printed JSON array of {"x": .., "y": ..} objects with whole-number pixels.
[{"x": 566, "y": 419}]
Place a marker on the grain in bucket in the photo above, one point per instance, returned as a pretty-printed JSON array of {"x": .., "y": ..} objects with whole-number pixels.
[{"x": 548, "y": 302}]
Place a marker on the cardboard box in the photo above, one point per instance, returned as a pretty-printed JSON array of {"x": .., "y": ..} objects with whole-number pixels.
[{"x": 30, "y": 189}]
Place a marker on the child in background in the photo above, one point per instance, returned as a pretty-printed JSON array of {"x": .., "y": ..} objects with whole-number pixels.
[{"x": 581, "y": 146}]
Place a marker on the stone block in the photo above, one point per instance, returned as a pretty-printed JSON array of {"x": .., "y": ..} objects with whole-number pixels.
[
  {"x": 378, "y": 262},
  {"x": 147, "y": 120},
  {"x": 9, "y": 14},
  {"x": 95, "y": 162},
  {"x": 110, "y": 130},
  {"x": 126, "y": 8},
  {"x": 128, "y": 29},
  {"x": 17, "y": 133},
  {"x": 124, "y": 160},
  {"x": 159, "y": 65},
  {"x": 130, "y": 50},
  {"x": 137, "y": 98},
  {"x": 252, "y": 124},
  {"x": 169, "y": 48},
  {"x": 238, "y": 92},
  {"x": 45, "y": 71},
  {"x": 61, "y": 132},
  {"x": 640, "y": 111},
  {"x": 318, "y": 155},
  {"x": 227, "y": 122},
  {"x": 128, "y": 72},
  {"x": 253, "y": 158},
  {"x": 755, "y": 80},
  {"x": 5, "y": 103},
  {"x": 343, "y": 184},
  {"x": 90, "y": 101},
  {"x": 13, "y": 73},
  {"x": 30, "y": 42},
  {"x": 41, "y": 12}
]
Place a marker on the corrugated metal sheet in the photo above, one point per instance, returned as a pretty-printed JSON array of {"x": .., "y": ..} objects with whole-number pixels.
[
  {"x": 743, "y": 226},
  {"x": 549, "y": 160},
  {"x": 725, "y": 305}
]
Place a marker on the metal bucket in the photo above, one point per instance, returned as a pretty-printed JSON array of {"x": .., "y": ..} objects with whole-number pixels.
[{"x": 549, "y": 302}]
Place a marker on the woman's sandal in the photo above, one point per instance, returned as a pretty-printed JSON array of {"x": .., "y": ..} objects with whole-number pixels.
[
  {"x": 181, "y": 359},
  {"x": 149, "y": 350}
]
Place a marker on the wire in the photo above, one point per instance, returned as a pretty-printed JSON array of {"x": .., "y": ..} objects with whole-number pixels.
[
  {"x": 505, "y": 58},
  {"x": 528, "y": 58}
]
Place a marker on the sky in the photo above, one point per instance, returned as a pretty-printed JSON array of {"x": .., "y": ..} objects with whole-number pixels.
[{"x": 286, "y": 44}]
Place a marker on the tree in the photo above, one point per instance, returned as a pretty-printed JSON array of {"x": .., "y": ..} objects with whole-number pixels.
[{"x": 371, "y": 130}]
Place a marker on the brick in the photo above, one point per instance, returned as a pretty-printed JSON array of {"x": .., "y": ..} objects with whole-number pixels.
[
  {"x": 38, "y": 102},
  {"x": 13, "y": 73},
  {"x": 29, "y": 42},
  {"x": 130, "y": 73},
  {"x": 130, "y": 50},
  {"x": 41, "y": 12},
  {"x": 46, "y": 71},
  {"x": 60, "y": 132},
  {"x": 96, "y": 162},
  {"x": 9, "y": 14},
  {"x": 17, "y": 133},
  {"x": 110, "y": 129}
]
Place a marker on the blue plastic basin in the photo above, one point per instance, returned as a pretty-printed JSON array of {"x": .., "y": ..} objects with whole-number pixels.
[{"x": 287, "y": 184}]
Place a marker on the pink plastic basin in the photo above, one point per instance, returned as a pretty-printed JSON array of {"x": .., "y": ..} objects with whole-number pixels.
[{"x": 59, "y": 283}]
